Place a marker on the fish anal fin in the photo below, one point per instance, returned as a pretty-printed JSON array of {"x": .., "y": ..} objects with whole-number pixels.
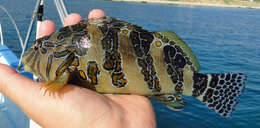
[{"x": 172, "y": 101}]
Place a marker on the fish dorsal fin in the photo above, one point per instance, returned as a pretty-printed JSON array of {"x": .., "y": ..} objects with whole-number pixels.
[
  {"x": 172, "y": 101},
  {"x": 185, "y": 48}
]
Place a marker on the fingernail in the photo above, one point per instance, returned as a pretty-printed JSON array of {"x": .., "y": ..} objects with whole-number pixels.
[{"x": 96, "y": 13}]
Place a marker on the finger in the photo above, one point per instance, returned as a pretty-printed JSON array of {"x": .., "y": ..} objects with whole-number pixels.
[
  {"x": 25, "y": 93},
  {"x": 47, "y": 27},
  {"x": 96, "y": 13},
  {"x": 29, "y": 97},
  {"x": 15, "y": 86},
  {"x": 72, "y": 19}
]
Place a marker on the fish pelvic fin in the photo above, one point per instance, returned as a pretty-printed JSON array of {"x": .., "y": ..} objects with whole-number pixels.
[
  {"x": 172, "y": 101},
  {"x": 219, "y": 92}
]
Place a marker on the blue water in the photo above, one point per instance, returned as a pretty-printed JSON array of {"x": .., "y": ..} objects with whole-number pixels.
[{"x": 223, "y": 39}]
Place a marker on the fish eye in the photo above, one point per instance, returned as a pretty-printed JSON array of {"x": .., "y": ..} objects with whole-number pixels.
[{"x": 35, "y": 48}]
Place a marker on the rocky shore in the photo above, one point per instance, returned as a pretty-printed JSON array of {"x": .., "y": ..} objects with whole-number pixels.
[{"x": 212, "y": 3}]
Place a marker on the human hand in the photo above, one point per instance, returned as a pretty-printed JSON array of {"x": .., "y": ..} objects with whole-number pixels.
[{"x": 73, "y": 106}]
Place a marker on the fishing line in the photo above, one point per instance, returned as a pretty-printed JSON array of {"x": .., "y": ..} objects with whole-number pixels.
[
  {"x": 13, "y": 22},
  {"x": 28, "y": 33}
]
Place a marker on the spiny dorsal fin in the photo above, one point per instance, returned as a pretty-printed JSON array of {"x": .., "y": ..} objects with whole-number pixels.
[{"x": 174, "y": 37}]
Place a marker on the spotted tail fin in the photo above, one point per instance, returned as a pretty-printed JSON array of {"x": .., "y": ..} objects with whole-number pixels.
[{"x": 219, "y": 91}]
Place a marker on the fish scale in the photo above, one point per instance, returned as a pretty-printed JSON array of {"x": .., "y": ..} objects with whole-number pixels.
[{"x": 108, "y": 55}]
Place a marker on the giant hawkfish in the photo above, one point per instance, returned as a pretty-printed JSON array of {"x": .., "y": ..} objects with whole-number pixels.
[{"x": 111, "y": 56}]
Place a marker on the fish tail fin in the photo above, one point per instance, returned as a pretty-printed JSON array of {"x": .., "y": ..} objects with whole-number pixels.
[{"x": 219, "y": 91}]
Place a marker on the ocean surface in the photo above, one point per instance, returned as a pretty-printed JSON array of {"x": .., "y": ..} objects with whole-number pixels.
[{"x": 223, "y": 39}]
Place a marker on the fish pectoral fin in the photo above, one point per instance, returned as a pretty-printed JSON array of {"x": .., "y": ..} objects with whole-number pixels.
[
  {"x": 57, "y": 84},
  {"x": 172, "y": 101},
  {"x": 52, "y": 86}
]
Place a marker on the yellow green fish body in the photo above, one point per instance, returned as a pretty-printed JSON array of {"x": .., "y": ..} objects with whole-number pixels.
[{"x": 108, "y": 55}]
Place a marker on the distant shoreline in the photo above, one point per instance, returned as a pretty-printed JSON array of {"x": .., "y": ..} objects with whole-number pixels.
[{"x": 193, "y": 3}]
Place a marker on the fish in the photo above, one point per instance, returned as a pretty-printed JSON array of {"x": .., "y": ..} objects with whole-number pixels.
[{"x": 111, "y": 56}]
